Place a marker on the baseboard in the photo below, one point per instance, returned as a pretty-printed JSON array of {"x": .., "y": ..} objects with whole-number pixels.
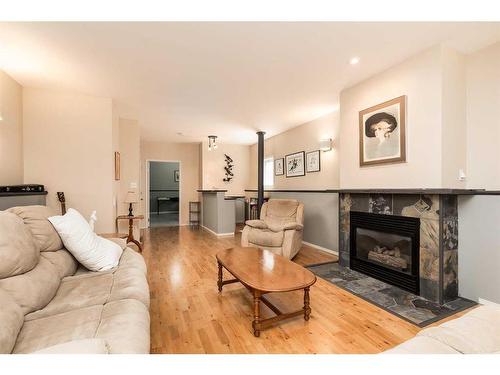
[
  {"x": 217, "y": 234},
  {"x": 330, "y": 251},
  {"x": 483, "y": 301}
]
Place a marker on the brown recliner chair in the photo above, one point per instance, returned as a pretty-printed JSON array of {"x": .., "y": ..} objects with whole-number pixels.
[{"x": 279, "y": 229}]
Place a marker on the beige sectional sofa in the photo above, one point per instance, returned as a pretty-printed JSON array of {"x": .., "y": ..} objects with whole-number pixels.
[
  {"x": 476, "y": 332},
  {"x": 49, "y": 303}
]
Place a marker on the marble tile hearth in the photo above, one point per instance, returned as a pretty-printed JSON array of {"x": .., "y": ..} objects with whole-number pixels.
[{"x": 406, "y": 305}]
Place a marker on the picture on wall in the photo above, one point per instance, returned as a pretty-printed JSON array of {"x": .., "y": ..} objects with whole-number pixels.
[
  {"x": 313, "y": 161},
  {"x": 295, "y": 164},
  {"x": 278, "y": 167},
  {"x": 176, "y": 176},
  {"x": 382, "y": 130},
  {"x": 117, "y": 166}
]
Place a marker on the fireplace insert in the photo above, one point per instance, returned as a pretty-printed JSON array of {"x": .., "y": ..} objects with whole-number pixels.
[{"x": 387, "y": 248}]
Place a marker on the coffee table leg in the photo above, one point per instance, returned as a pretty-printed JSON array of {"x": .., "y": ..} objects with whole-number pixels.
[
  {"x": 307, "y": 308},
  {"x": 219, "y": 281},
  {"x": 256, "y": 314}
]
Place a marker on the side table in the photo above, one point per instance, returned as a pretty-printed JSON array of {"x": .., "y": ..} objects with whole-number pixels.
[{"x": 130, "y": 237}]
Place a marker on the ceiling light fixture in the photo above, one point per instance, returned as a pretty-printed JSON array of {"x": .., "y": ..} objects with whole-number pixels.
[
  {"x": 212, "y": 142},
  {"x": 354, "y": 61}
]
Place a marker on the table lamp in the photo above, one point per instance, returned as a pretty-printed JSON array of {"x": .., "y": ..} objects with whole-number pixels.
[{"x": 131, "y": 198}]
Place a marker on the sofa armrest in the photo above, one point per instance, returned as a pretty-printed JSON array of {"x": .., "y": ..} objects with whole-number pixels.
[
  {"x": 259, "y": 224},
  {"x": 86, "y": 346}
]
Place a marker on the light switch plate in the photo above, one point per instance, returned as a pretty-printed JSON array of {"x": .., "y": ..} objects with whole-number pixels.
[{"x": 133, "y": 185}]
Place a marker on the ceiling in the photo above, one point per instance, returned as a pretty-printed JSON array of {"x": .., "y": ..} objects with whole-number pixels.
[{"x": 185, "y": 80}]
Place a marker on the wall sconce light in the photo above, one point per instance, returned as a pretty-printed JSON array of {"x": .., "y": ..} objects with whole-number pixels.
[
  {"x": 1, "y": 118},
  {"x": 212, "y": 142},
  {"x": 325, "y": 144}
]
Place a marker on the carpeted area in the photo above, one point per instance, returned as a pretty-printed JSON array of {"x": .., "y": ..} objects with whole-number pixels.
[{"x": 399, "y": 302}]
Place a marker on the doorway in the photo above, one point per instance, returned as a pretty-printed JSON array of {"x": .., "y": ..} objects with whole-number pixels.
[{"x": 164, "y": 199}]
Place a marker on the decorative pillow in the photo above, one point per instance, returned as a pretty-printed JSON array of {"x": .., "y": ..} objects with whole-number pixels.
[{"x": 94, "y": 252}]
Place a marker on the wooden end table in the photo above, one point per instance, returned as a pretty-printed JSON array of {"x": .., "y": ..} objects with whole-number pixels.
[
  {"x": 130, "y": 237},
  {"x": 262, "y": 272}
]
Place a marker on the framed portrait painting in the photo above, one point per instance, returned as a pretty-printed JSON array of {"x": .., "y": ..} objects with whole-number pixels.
[
  {"x": 294, "y": 164},
  {"x": 382, "y": 133},
  {"x": 313, "y": 161},
  {"x": 278, "y": 167}
]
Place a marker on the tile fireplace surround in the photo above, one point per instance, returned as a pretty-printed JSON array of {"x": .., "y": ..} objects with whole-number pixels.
[{"x": 438, "y": 214}]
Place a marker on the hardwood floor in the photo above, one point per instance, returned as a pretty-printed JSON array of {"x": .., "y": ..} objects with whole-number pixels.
[{"x": 188, "y": 315}]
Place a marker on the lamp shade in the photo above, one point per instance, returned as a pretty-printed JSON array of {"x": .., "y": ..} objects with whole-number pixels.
[{"x": 131, "y": 197}]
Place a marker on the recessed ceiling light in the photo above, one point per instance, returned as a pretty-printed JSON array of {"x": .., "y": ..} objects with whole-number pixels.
[{"x": 354, "y": 60}]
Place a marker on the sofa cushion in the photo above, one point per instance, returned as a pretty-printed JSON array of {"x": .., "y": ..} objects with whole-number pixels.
[
  {"x": 36, "y": 219},
  {"x": 11, "y": 321},
  {"x": 76, "y": 293},
  {"x": 57, "y": 329},
  {"x": 476, "y": 332},
  {"x": 124, "y": 325},
  {"x": 130, "y": 283},
  {"x": 63, "y": 261},
  {"x": 18, "y": 251},
  {"x": 87, "y": 346},
  {"x": 97, "y": 288},
  {"x": 33, "y": 290},
  {"x": 265, "y": 237},
  {"x": 422, "y": 345}
]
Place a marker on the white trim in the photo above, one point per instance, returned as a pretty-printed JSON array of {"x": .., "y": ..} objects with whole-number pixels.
[
  {"x": 321, "y": 248},
  {"x": 483, "y": 301},
  {"x": 146, "y": 214},
  {"x": 216, "y": 234}
]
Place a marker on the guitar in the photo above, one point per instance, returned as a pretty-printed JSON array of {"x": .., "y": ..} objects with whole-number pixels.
[{"x": 62, "y": 200}]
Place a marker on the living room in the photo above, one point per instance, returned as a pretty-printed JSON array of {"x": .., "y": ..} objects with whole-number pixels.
[{"x": 250, "y": 188}]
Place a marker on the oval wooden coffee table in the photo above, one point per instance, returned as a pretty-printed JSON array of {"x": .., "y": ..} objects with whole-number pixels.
[{"x": 262, "y": 272}]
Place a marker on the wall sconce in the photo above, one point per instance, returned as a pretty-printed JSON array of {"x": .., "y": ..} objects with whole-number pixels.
[
  {"x": 212, "y": 142},
  {"x": 325, "y": 144},
  {"x": 1, "y": 118}
]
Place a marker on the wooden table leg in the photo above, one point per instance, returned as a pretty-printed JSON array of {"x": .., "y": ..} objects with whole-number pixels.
[
  {"x": 219, "y": 281},
  {"x": 130, "y": 237},
  {"x": 307, "y": 308},
  {"x": 256, "y": 313}
]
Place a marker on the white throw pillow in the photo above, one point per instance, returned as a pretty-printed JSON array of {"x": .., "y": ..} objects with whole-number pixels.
[{"x": 94, "y": 252}]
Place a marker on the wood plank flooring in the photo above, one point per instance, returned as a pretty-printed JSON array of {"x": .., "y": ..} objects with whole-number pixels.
[{"x": 188, "y": 315}]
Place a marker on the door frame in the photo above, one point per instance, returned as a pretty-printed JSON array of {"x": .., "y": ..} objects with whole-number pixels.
[{"x": 148, "y": 163}]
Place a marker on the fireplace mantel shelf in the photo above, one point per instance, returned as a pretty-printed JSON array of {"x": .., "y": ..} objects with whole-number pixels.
[{"x": 422, "y": 191}]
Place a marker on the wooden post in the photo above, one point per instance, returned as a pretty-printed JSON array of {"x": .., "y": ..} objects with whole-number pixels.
[{"x": 260, "y": 171}]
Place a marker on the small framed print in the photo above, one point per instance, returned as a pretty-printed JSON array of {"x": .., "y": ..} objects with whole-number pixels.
[
  {"x": 278, "y": 167},
  {"x": 117, "y": 166},
  {"x": 295, "y": 164},
  {"x": 176, "y": 176},
  {"x": 382, "y": 131},
  {"x": 313, "y": 161}
]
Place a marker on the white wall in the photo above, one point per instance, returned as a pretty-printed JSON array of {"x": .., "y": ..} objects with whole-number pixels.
[
  {"x": 213, "y": 163},
  {"x": 419, "y": 78},
  {"x": 11, "y": 131},
  {"x": 306, "y": 138},
  {"x": 68, "y": 147},
  {"x": 483, "y": 118},
  {"x": 479, "y": 247},
  {"x": 453, "y": 120}
]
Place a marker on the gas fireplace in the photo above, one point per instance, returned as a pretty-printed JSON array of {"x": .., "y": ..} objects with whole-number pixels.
[{"x": 386, "y": 247}]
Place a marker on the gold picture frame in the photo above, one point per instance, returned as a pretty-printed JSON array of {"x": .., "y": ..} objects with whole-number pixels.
[
  {"x": 382, "y": 133},
  {"x": 117, "y": 166}
]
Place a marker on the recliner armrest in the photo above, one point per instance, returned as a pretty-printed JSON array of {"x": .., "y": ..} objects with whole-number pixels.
[
  {"x": 258, "y": 224},
  {"x": 288, "y": 226}
]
